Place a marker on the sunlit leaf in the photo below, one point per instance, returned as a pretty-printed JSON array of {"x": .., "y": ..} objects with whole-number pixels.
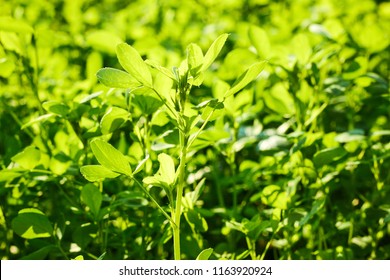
[
  {"x": 133, "y": 63},
  {"x": 14, "y": 25},
  {"x": 29, "y": 158},
  {"x": 213, "y": 51},
  {"x": 196, "y": 220},
  {"x": 56, "y": 107},
  {"x": 194, "y": 58},
  {"x": 161, "y": 69},
  {"x": 103, "y": 40},
  {"x": 113, "y": 119},
  {"x": 260, "y": 41},
  {"x": 31, "y": 223},
  {"x": 95, "y": 173},
  {"x": 248, "y": 76},
  {"x": 205, "y": 254},
  {"x": 115, "y": 78},
  {"x": 110, "y": 157},
  {"x": 148, "y": 104},
  {"x": 167, "y": 168},
  {"x": 274, "y": 196}
]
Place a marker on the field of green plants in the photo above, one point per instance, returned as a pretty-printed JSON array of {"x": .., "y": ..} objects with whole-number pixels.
[{"x": 198, "y": 129}]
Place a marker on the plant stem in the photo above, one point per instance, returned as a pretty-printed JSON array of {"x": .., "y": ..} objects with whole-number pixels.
[
  {"x": 155, "y": 202},
  {"x": 179, "y": 194}
]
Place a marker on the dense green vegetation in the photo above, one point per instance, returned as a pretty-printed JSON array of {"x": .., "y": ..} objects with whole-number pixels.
[{"x": 156, "y": 129}]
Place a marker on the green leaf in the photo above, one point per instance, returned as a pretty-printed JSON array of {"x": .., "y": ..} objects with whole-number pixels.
[
  {"x": 205, "y": 254},
  {"x": 148, "y": 104},
  {"x": 195, "y": 220},
  {"x": 280, "y": 100},
  {"x": 29, "y": 158},
  {"x": 213, "y": 51},
  {"x": 95, "y": 173},
  {"x": 167, "y": 168},
  {"x": 115, "y": 78},
  {"x": 103, "y": 40},
  {"x": 8, "y": 175},
  {"x": 317, "y": 205},
  {"x": 260, "y": 41},
  {"x": 40, "y": 254},
  {"x": 7, "y": 67},
  {"x": 301, "y": 48},
  {"x": 113, "y": 119},
  {"x": 326, "y": 156},
  {"x": 38, "y": 119},
  {"x": 110, "y": 157},
  {"x": 141, "y": 165},
  {"x": 56, "y": 107},
  {"x": 84, "y": 233},
  {"x": 14, "y": 25},
  {"x": 194, "y": 58},
  {"x": 245, "y": 78},
  {"x": 129, "y": 199},
  {"x": 133, "y": 63},
  {"x": 92, "y": 197},
  {"x": 274, "y": 196},
  {"x": 31, "y": 223},
  {"x": 208, "y": 138},
  {"x": 161, "y": 69}
]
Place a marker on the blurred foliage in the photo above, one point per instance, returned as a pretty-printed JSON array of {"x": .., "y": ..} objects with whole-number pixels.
[{"x": 295, "y": 166}]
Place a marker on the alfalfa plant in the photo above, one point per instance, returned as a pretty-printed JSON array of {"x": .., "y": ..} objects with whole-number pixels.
[{"x": 190, "y": 121}]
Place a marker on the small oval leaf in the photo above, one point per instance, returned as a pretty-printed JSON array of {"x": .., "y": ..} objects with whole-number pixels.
[
  {"x": 326, "y": 156},
  {"x": 95, "y": 173},
  {"x": 31, "y": 223},
  {"x": 113, "y": 119},
  {"x": 115, "y": 78},
  {"x": 213, "y": 51},
  {"x": 110, "y": 157},
  {"x": 133, "y": 63},
  {"x": 167, "y": 168},
  {"x": 205, "y": 254},
  {"x": 29, "y": 158},
  {"x": 245, "y": 78}
]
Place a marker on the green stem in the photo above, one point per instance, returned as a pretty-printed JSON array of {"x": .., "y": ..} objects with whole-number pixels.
[
  {"x": 251, "y": 248},
  {"x": 155, "y": 202},
  {"x": 269, "y": 243},
  {"x": 179, "y": 195}
]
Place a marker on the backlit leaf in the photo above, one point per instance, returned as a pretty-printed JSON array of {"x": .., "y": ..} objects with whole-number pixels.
[
  {"x": 56, "y": 107},
  {"x": 194, "y": 58},
  {"x": 14, "y": 25},
  {"x": 115, "y": 78},
  {"x": 167, "y": 168},
  {"x": 213, "y": 51},
  {"x": 95, "y": 173},
  {"x": 113, "y": 119},
  {"x": 274, "y": 196},
  {"x": 29, "y": 158},
  {"x": 110, "y": 157},
  {"x": 31, "y": 223},
  {"x": 161, "y": 69},
  {"x": 245, "y": 78},
  {"x": 260, "y": 41},
  {"x": 205, "y": 254},
  {"x": 133, "y": 63}
]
